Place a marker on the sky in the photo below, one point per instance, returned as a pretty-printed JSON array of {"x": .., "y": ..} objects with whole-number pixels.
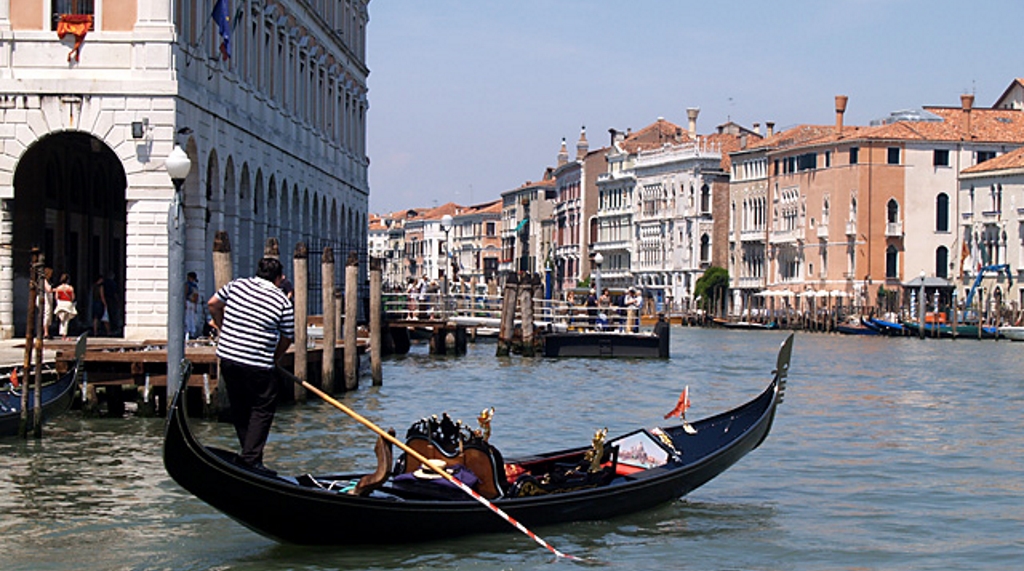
[{"x": 470, "y": 99}]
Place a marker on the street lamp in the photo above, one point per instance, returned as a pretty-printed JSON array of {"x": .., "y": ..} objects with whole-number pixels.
[
  {"x": 178, "y": 166},
  {"x": 446, "y": 225},
  {"x": 598, "y": 260}
]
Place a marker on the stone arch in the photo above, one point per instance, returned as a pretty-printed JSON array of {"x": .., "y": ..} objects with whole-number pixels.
[
  {"x": 248, "y": 250},
  {"x": 70, "y": 202},
  {"x": 230, "y": 219}
]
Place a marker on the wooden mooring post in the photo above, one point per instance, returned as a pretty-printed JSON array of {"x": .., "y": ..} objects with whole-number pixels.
[
  {"x": 506, "y": 328},
  {"x": 351, "y": 316},
  {"x": 376, "y": 282},
  {"x": 330, "y": 336},
  {"x": 300, "y": 267},
  {"x": 525, "y": 295}
]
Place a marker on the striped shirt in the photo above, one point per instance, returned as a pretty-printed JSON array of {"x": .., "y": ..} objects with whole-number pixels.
[{"x": 256, "y": 315}]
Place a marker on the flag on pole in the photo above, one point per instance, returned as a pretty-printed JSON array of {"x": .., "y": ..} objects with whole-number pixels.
[
  {"x": 681, "y": 405},
  {"x": 223, "y": 21}
]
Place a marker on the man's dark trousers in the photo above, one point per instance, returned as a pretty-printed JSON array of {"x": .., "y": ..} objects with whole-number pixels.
[{"x": 252, "y": 393}]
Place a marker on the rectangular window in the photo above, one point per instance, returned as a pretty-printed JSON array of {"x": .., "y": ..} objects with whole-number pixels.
[
  {"x": 828, "y": 159},
  {"x": 986, "y": 155},
  {"x": 940, "y": 158},
  {"x": 807, "y": 161},
  {"x": 70, "y": 7},
  {"x": 854, "y": 155},
  {"x": 893, "y": 156},
  {"x": 490, "y": 229}
]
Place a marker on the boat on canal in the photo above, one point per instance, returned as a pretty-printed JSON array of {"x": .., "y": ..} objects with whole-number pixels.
[
  {"x": 55, "y": 396},
  {"x": 1012, "y": 332},
  {"x": 403, "y": 502}
]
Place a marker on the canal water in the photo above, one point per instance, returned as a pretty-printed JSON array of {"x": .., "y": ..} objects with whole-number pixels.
[{"x": 886, "y": 454}]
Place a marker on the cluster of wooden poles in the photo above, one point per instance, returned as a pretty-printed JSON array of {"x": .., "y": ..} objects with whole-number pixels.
[
  {"x": 334, "y": 320},
  {"x": 34, "y": 347}
]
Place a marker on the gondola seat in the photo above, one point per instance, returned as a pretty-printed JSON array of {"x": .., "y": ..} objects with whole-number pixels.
[
  {"x": 453, "y": 442},
  {"x": 370, "y": 482}
]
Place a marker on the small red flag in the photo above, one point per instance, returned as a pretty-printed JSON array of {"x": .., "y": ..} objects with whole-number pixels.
[{"x": 681, "y": 405}]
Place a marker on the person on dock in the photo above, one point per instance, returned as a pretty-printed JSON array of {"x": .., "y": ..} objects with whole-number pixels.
[
  {"x": 191, "y": 304},
  {"x": 256, "y": 325},
  {"x": 100, "y": 313},
  {"x": 47, "y": 302},
  {"x": 65, "y": 296}
]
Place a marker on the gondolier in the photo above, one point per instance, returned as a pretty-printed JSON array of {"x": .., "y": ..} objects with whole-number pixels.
[{"x": 256, "y": 324}]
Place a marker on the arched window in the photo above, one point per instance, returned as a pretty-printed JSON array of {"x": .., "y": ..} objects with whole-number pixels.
[
  {"x": 941, "y": 262},
  {"x": 705, "y": 248},
  {"x": 705, "y": 199},
  {"x": 942, "y": 212},
  {"x": 891, "y": 262},
  {"x": 892, "y": 211}
]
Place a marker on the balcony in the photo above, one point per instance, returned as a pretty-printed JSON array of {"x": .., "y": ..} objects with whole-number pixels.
[
  {"x": 783, "y": 236},
  {"x": 851, "y": 228},
  {"x": 894, "y": 230},
  {"x": 822, "y": 231},
  {"x": 747, "y": 282},
  {"x": 752, "y": 235}
]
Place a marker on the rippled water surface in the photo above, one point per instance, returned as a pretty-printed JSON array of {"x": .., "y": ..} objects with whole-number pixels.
[{"x": 886, "y": 454}]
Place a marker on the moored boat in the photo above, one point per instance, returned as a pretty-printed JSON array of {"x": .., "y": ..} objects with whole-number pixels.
[
  {"x": 632, "y": 472},
  {"x": 55, "y": 396},
  {"x": 1013, "y": 332}
]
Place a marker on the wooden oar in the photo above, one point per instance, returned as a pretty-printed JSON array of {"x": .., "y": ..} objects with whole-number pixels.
[{"x": 423, "y": 460}]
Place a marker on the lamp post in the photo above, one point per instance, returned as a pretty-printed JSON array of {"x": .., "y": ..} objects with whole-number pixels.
[
  {"x": 446, "y": 225},
  {"x": 598, "y": 260},
  {"x": 178, "y": 166}
]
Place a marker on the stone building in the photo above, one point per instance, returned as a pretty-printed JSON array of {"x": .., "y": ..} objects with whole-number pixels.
[{"x": 269, "y": 103}]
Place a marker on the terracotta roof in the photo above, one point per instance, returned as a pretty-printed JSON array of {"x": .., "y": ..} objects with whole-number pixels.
[
  {"x": 1012, "y": 160},
  {"x": 655, "y": 135},
  {"x": 439, "y": 211}
]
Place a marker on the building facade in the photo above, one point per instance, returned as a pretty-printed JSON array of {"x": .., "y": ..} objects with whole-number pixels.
[
  {"x": 276, "y": 135},
  {"x": 852, "y": 209}
]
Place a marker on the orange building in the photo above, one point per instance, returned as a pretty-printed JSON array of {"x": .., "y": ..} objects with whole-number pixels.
[{"x": 845, "y": 210}]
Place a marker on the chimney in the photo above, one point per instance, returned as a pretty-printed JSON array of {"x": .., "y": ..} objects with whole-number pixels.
[
  {"x": 769, "y": 128},
  {"x": 757, "y": 128},
  {"x": 840, "y": 109},
  {"x": 966, "y": 103},
  {"x": 691, "y": 114}
]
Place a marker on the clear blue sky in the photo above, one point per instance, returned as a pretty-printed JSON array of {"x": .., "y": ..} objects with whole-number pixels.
[{"x": 469, "y": 99}]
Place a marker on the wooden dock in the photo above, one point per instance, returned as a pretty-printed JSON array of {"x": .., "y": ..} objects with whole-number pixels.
[{"x": 118, "y": 371}]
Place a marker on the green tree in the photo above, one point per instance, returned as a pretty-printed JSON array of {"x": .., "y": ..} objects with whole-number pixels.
[{"x": 711, "y": 288}]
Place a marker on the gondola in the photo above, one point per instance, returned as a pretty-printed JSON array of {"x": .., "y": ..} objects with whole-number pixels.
[
  {"x": 55, "y": 397},
  {"x": 607, "y": 479}
]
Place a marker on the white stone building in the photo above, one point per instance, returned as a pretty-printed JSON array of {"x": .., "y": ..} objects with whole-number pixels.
[
  {"x": 674, "y": 225},
  {"x": 276, "y": 135}
]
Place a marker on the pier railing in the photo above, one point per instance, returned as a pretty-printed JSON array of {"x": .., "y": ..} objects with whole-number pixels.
[{"x": 485, "y": 311}]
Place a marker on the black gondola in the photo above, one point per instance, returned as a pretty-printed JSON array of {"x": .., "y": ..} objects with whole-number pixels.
[
  {"x": 55, "y": 397},
  {"x": 563, "y": 486}
]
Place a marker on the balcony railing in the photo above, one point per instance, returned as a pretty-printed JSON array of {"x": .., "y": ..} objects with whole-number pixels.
[
  {"x": 782, "y": 236},
  {"x": 894, "y": 229},
  {"x": 822, "y": 231},
  {"x": 851, "y": 228},
  {"x": 752, "y": 235}
]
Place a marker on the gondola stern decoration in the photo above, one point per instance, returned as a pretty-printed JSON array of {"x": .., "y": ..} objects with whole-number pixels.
[{"x": 781, "y": 371}]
